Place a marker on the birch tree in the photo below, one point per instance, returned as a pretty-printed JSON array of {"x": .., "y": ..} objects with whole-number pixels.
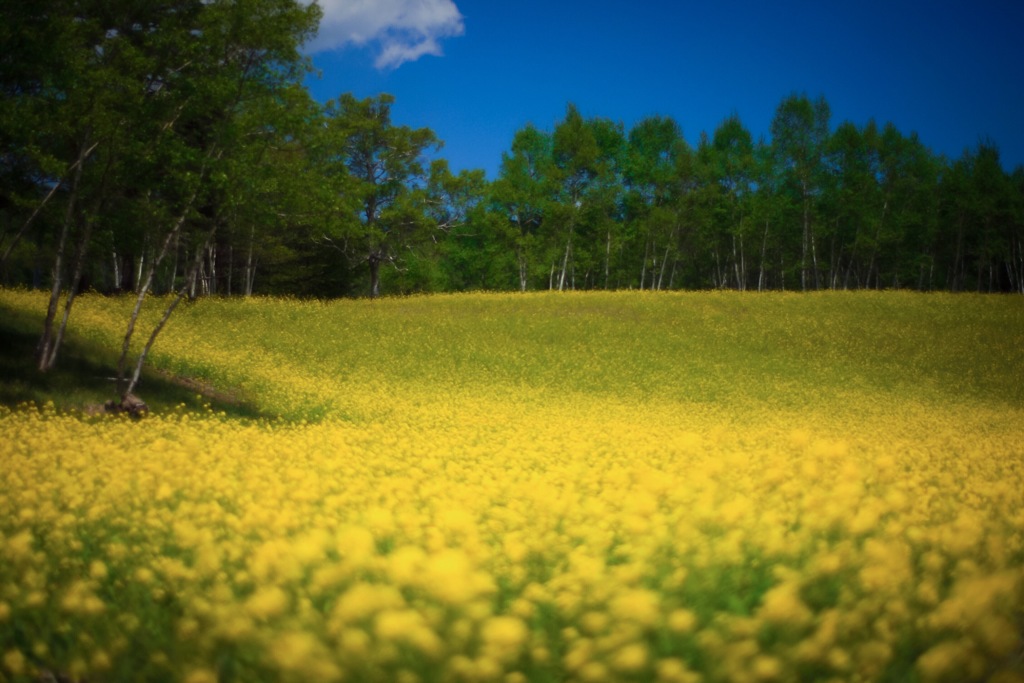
[
  {"x": 575, "y": 154},
  {"x": 799, "y": 132},
  {"x": 653, "y": 200},
  {"x": 522, "y": 197}
]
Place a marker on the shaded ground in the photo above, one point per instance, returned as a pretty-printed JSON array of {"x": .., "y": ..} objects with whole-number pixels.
[{"x": 83, "y": 378}]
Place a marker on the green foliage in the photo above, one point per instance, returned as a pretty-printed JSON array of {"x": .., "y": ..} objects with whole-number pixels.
[
  {"x": 386, "y": 177},
  {"x": 125, "y": 126}
]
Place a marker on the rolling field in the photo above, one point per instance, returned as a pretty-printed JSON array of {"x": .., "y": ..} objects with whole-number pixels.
[{"x": 575, "y": 487}]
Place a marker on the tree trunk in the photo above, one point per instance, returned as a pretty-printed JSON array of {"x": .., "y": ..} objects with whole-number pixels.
[
  {"x": 211, "y": 287},
  {"x": 250, "y": 266},
  {"x": 117, "y": 269},
  {"x": 664, "y": 262},
  {"x": 719, "y": 278},
  {"x": 76, "y": 278},
  {"x": 521, "y": 258},
  {"x": 172, "y": 280},
  {"x": 140, "y": 262},
  {"x": 764, "y": 250},
  {"x": 47, "y": 341},
  {"x": 374, "y": 263},
  {"x": 643, "y": 269},
  {"x": 806, "y": 238},
  {"x": 814, "y": 262},
  {"x": 607, "y": 258},
  {"x": 144, "y": 289},
  {"x": 565, "y": 262},
  {"x": 743, "y": 266},
  {"x": 189, "y": 279},
  {"x": 736, "y": 265}
]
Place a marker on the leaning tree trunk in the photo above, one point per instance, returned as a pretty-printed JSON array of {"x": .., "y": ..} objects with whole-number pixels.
[
  {"x": 144, "y": 289},
  {"x": 76, "y": 278},
  {"x": 76, "y": 168},
  {"x": 47, "y": 341},
  {"x": 565, "y": 261},
  {"x": 137, "y": 372}
]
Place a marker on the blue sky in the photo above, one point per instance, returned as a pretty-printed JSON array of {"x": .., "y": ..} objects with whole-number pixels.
[{"x": 475, "y": 71}]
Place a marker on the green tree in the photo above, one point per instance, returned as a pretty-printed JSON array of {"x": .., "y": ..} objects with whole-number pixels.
[
  {"x": 1015, "y": 232},
  {"x": 854, "y": 198},
  {"x": 732, "y": 162},
  {"x": 800, "y": 132},
  {"x": 386, "y": 165},
  {"x": 455, "y": 208},
  {"x": 237, "y": 56},
  {"x": 138, "y": 122},
  {"x": 575, "y": 153},
  {"x": 602, "y": 210},
  {"x": 653, "y": 199},
  {"x": 521, "y": 196}
]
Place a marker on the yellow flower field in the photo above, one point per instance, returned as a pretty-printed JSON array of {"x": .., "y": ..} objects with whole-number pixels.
[{"x": 590, "y": 487}]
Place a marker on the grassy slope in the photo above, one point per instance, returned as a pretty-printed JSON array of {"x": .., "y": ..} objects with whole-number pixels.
[
  {"x": 549, "y": 405},
  {"x": 83, "y": 376},
  {"x": 717, "y": 350}
]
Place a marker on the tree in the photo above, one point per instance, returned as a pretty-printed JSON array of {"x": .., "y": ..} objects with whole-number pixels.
[
  {"x": 138, "y": 117},
  {"x": 455, "y": 206},
  {"x": 732, "y": 165},
  {"x": 653, "y": 199},
  {"x": 575, "y": 153},
  {"x": 522, "y": 197},
  {"x": 238, "y": 56},
  {"x": 385, "y": 164},
  {"x": 799, "y": 133},
  {"x": 854, "y": 198}
]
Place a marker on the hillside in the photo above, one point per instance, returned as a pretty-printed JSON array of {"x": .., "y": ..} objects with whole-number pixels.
[
  {"x": 625, "y": 487},
  {"x": 722, "y": 351}
]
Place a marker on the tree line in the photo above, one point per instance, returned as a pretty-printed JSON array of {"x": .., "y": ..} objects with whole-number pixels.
[{"x": 171, "y": 147}]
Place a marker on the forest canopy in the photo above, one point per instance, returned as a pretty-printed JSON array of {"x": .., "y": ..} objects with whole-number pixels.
[{"x": 173, "y": 147}]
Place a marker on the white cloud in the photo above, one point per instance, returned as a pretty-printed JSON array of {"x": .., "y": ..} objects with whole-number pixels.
[{"x": 400, "y": 30}]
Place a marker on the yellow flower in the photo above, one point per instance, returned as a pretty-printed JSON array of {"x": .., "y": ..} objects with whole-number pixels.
[
  {"x": 782, "y": 605},
  {"x": 267, "y": 603},
  {"x": 504, "y": 631},
  {"x": 503, "y": 636},
  {"x": 682, "y": 620},
  {"x": 200, "y": 676},
  {"x": 97, "y": 570},
  {"x": 19, "y": 546},
  {"x": 629, "y": 659},
  {"x": 301, "y": 653},
  {"x": 14, "y": 662},
  {"x": 593, "y": 672},
  {"x": 638, "y": 605},
  {"x": 940, "y": 660},
  {"x": 766, "y": 668},
  {"x": 673, "y": 670},
  {"x": 407, "y": 626},
  {"x": 363, "y": 600}
]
